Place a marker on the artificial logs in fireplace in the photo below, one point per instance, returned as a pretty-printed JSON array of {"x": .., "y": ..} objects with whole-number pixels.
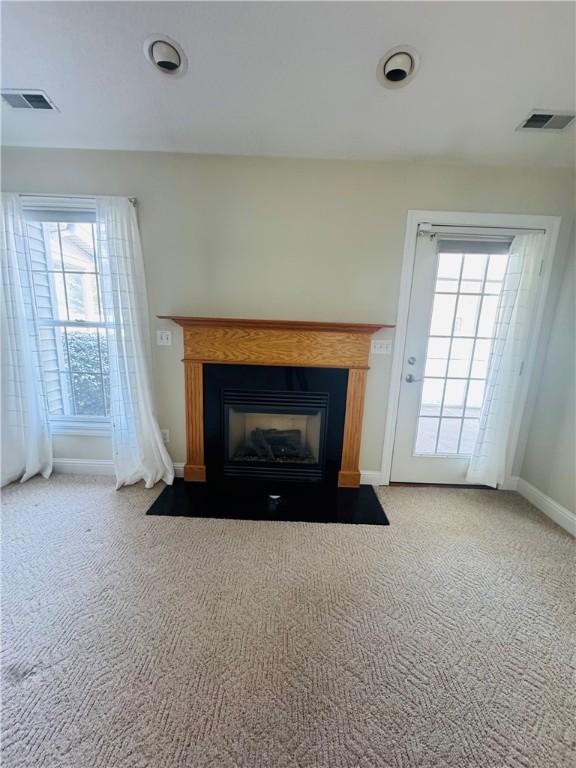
[{"x": 274, "y": 433}]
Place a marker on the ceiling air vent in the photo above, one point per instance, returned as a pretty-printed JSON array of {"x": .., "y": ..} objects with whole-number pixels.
[
  {"x": 27, "y": 99},
  {"x": 547, "y": 120}
]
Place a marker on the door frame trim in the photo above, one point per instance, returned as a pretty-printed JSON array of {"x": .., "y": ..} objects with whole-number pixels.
[{"x": 551, "y": 225}]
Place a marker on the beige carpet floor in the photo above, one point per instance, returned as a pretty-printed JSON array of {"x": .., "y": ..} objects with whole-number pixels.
[{"x": 150, "y": 642}]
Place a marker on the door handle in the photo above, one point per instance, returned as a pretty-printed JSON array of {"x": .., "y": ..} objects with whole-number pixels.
[{"x": 410, "y": 378}]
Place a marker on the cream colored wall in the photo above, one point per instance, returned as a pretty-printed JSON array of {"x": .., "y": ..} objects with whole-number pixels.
[
  {"x": 268, "y": 238},
  {"x": 550, "y": 457}
]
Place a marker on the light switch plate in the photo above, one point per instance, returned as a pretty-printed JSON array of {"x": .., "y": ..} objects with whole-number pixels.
[
  {"x": 164, "y": 338},
  {"x": 165, "y": 435},
  {"x": 381, "y": 347}
]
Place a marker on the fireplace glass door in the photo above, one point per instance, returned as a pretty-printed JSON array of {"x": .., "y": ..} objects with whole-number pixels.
[{"x": 275, "y": 434}]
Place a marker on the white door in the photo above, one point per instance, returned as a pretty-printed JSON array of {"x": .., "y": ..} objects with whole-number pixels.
[{"x": 453, "y": 305}]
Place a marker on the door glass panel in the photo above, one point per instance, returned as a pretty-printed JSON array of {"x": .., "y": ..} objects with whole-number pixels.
[
  {"x": 471, "y": 286},
  {"x": 475, "y": 397},
  {"x": 480, "y": 361},
  {"x": 449, "y": 265},
  {"x": 447, "y": 286},
  {"x": 497, "y": 266},
  {"x": 448, "y": 436},
  {"x": 460, "y": 358},
  {"x": 454, "y": 397},
  {"x": 437, "y": 357},
  {"x": 432, "y": 393},
  {"x": 474, "y": 266},
  {"x": 426, "y": 436},
  {"x": 488, "y": 316},
  {"x": 464, "y": 315},
  {"x": 442, "y": 314}
]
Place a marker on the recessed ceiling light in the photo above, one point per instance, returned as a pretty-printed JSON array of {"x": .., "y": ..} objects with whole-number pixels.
[
  {"x": 398, "y": 66},
  {"x": 165, "y": 55}
]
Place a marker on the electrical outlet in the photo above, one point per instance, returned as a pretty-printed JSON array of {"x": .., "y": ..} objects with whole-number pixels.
[
  {"x": 381, "y": 347},
  {"x": 164, "y": 338},
  {"x": 165, "y": 435}
]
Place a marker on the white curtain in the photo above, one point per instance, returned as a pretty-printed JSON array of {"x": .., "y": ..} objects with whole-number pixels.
[
  {"x": 138, "y": 449},
  {"x": 26, "y": 441},
  {"x": 510, "y": 348}
]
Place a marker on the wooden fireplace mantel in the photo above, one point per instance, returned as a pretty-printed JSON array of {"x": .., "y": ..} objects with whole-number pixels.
[
  {"x": 294, "y": 325},
  {"x": 275, "y": 342}
]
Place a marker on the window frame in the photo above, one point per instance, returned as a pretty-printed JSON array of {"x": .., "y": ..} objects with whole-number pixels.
[{"x": 42, "y": 210}]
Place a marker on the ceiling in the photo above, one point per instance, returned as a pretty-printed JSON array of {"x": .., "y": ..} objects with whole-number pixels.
[{"x": 295, "y": 79}]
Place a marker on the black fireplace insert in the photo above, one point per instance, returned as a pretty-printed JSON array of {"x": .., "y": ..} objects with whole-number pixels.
[{"x": 273, "y": 423}]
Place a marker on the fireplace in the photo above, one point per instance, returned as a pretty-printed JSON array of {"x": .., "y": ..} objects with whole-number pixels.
[
  {"x": 281, "y": 433},
  {"x": 273, "y": 423}
]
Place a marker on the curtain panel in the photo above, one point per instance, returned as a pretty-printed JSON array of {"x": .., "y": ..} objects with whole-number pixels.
[
  {"x": 26, "y": 441},
  {"x": 139, "y": 452},
  {"x": 512, "y": 337}
]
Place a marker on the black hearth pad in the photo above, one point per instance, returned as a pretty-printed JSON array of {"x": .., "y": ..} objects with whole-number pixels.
[{"x": 303, "y": 502}]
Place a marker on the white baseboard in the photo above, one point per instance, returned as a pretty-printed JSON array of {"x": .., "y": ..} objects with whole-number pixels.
[
  {"x": 84, "y": 466},
  {"x": 370, "y": 478},
  {"x": 562, "y": 516},
  {"x": 96, "y": 467},
  {"x": 510, "y": 484}
]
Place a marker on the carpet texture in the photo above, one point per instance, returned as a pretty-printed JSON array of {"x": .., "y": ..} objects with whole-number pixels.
[{"x": 154, "y": 642}]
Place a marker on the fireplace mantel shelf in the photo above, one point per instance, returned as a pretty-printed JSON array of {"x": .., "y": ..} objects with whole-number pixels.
[
  {"x": 241, "y": 341},
  {"x": 279, "y": 325}
]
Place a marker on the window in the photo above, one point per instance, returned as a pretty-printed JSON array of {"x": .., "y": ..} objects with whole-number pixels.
[
  {"x": 72, "y": 328},
  {"x": 468, "y": 287}
]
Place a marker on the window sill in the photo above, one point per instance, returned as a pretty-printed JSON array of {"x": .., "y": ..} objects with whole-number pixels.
[{"x": 79, "y": 427}]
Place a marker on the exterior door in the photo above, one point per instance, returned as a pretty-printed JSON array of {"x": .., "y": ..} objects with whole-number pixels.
[{"x": 453, "y": 305}]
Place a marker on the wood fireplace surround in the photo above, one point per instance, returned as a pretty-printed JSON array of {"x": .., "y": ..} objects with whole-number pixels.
[{"x": 275, "y": 342}]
